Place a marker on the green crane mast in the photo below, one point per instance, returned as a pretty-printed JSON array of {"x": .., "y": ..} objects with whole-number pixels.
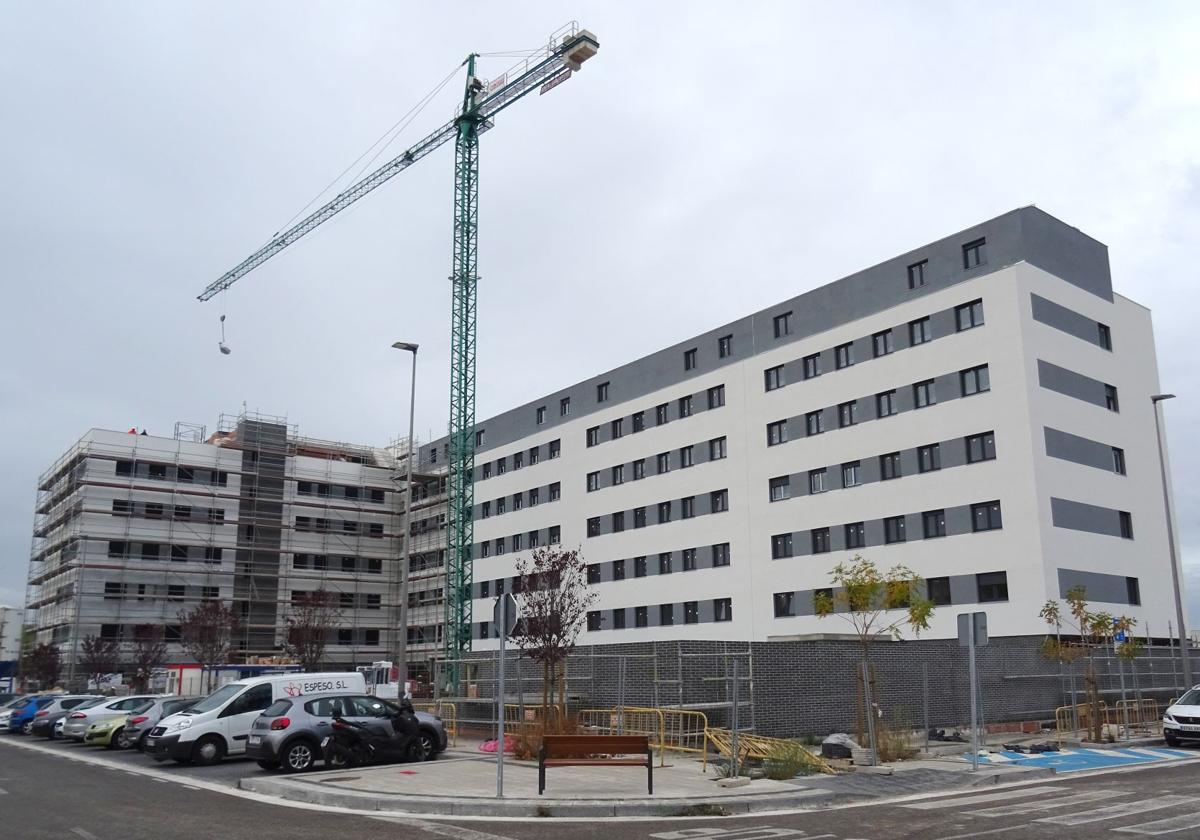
[{"x": 544, "y": 69}]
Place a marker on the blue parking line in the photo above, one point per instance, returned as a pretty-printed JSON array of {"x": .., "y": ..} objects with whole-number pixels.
[{"x": 1074, "y": 760}]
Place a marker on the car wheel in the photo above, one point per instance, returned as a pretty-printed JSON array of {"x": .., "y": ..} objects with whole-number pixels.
[
  {"x": 429, "y": 745},
  {"x": 298, "y": 757},
  {"x": 208, "y": 750},
  {"x": 269, "y": 765},
  {"x": 118, "y": 740},
  {"x": 415, "y": 751},
  {"x": 27, "y": 727},
  {"x": 1171, "y": 740}
]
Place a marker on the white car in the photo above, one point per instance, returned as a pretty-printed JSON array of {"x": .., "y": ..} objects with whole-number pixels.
[
  {"x": 78, "y": 721},
  {"x": 1181, "y": 721}
]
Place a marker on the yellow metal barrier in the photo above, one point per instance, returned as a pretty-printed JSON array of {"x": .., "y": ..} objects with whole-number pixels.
[
  {"x": 761, "y": 747},
  {"x": 627, "y": 721},
  {"x": 1064, "y": 722},
  {"x": 448, "y": 712},
  {"x": 686, "y": 731},
  {"x": 1137, "y": 713},
  {"x": 529, "y": 716}
]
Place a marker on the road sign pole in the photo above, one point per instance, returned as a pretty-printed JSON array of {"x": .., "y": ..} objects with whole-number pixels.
[
  {"x": 974, "y": 697},
  {"x": 500, "y": 717}
]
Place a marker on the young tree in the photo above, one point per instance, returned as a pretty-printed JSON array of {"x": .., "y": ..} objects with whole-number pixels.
[
  {"x": 207, "y": 633},
  {"x": 312, "y": 617},
  {"x": 98, "y": 656},
  {"x": 553, "y": 600},
  {"x": 147, "y": 653},
  {"x": 42, "y": 664}
]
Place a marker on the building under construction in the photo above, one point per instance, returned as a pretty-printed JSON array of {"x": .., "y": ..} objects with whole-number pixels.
[{"x": 133, "y": 529}]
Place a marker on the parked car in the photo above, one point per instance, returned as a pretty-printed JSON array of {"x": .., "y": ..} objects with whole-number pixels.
[
  {"x": 289, "y": 733},
  {"x": 118, "y": 707},
  {"x": 219, "y": 725},
  {"x": 1181, "y": 720},
  {"x": 45, "y": 719},
  {"x": 6, "y": 710},
  {"x": 7, "y": 697},
  {"x": 104, "y": 733},
  {"x": 140, "y": 723},
  {"x": 22, "y": 716}
]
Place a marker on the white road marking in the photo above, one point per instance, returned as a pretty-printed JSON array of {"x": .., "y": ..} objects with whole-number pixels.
[
  {"x": 454, "y": 831},
  {"x": 981, "y": 833},
  {"x": 86, "y": 835},
  {"x": 3, "y": 792},
  {"x": 1167, "y": 826},
  {"x": 1123, "y": 809},
  {"x": 1020, "y": 808},
  {"x": 954, "y": 802}
]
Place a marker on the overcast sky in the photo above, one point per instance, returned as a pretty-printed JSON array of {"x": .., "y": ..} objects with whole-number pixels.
[{"x": 713, "y": 159}]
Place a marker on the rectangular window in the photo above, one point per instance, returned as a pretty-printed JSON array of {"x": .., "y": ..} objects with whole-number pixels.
[
  {"x": 541, "y": 415},
  {"x": 663, "y": 462},
  {"x": 125, "y": 468},
  {"x": 685, "y": 406},
  {"x": 639, "y": 517},
  {"x": 593, "y": 436},
  {"x": 814, "y": 422},
  {"x": 716, "y": 396},
  {"x": 689, "y": 559},
  {"x": 660, "y": 414},
  {"x": 602, "y": 392},
  {"x": 564, "y": 407},
  {"x": 783, "y": 324},
  {"x": 973, "y": 253},
  {"x": 639, "y": 567},
  {"x": 487, "y": 471},
  {"x": 1133, "y": 592},
  {"x": 593, "y": 527},
  {"x": 639, "y": 421},
  {"x": 937, "y": 590},
  {"x": 975, "y": 380},
  {"x": 889, "y": 466},
  {"x": 722, "y": 609},
  {"x": 720, "y": 555},
  {"x": 485, "y": 510},
  {"x": 179, "y": 553},
  {"x": 817, "y": 481},
  {"x": 1118, "y": 456},
  {"x": 848, "y": 414},
  {"x": 820, "y": 540},
  {"x": 593, "y": 574},
  {"x": 479, "y": 437},
  {"x": 773, "y": 378},
  {"x": 687, "y": 507},
  {"x": 666, "y": 615},
  {"x": 924, "y": 394},
  {"x": 485, "y": 586},
  {"x": 780, "y": 488},
  {"x": 851, "y": 474},
  {"x": 640, "y": 618},
  {"x": 992, "y": 586},
  {"x": 593, "y": 621},
  {"x": 985, "y": 516},
  {"x": 618, "y": 618},
  {"x": 639, "y": 469},
  {"x": 969, "y": 315},
  {"x": 784, "y": 604},
  {"x": 881, "y": 343},
  {"x": 893, "y": 529},
  {"x": 533, "y": 496},
  {"x": 516, "y": 542},
  {"x": 981, "y": 447},
  {"x": 916, "y": 274},
  {"x": 618, "y": 570},
  {"x": 518, "y": 501},
  {"x": 1126, "y": 524},
  {"x": 618, "y": 521},
  {"x": 125, "y": 506},
  {"x": 664, "y": 512},
  {"x": 812, "y": 366},
  {"x": 929, "y": 457},
  {"x": 689, "y": 359},
  {"x": 691, "y": 612},
  {"x": 781, "y": 546},
  {"x": 777, "y": 433},
  {"x": 1104, "y": 335},
  {"x": 664, "y": 563},
  {"x": 855, "y": 535},
  {"x": 500, "y": 505},
  {"x": 725, "y": 346},
  {"x": 500, "y": 546},
  {"x": 618, "y": 474},
  {"x": 175, "y": 592},
  {"x": 716, "y": 449},
  {"x": 919, "y": 332},
  {"x": 933, "y": 524},
  {"x": 843, "y": 355},
  {"x": 113, "y": 590},
  {"x": 555, "y": 448},
  {"x": 617, "y": 428},
  {"x": 885, "y": 404},
  {"x": 687, "y": 457},
  {"x": 1110, "y": 398},
  {"x": 533, "y": 542},
  {"x": 212, "y": 593}
]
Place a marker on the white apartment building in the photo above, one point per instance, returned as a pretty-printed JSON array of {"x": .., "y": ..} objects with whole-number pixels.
[{"x": 977, "y": 409}]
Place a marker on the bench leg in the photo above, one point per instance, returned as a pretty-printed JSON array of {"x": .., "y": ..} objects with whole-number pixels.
[
  {"x": 541, "y": 778},
  {"x": 650, "y": 773}
]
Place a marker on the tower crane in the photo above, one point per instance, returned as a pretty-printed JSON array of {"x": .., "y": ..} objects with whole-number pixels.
[{"x": 543, "y": 70}]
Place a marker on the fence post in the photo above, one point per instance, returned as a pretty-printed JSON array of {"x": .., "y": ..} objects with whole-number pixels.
[
  {"x": 869, "y": 711},
  {"x": 925, "y": 693},
  {"x": 733, "y": 720}
]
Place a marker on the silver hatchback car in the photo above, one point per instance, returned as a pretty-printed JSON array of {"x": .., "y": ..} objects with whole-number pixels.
[
  {"x": 79, "y": 721},
  {"x": 288, "y": 734},
  {"x": 142, "y": 721}
]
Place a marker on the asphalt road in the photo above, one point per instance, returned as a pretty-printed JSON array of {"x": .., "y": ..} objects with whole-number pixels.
[{"x": 50, "y": 795}]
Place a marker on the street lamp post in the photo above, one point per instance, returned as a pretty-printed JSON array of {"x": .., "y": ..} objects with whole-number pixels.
[
  {"x": 402, "y": 630},
  {"x": 1162, "y": 465}
]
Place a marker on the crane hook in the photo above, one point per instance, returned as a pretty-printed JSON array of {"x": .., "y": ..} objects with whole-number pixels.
[{"x": 221, "y": 344}]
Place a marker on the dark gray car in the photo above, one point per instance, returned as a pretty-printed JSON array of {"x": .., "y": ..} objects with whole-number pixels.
[
  {"x": 289, "y": 733},
  {"x": 43, "y": 723},
  {"x": 141, "y": 722}
]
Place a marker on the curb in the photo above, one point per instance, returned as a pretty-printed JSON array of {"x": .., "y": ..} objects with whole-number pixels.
[
  {"x": 314, "y": 793},
  {"x": 1021, "y": 774}
]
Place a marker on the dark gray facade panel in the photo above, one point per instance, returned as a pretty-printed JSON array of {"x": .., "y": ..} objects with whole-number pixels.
[
  {"x": 958, "y": 520},
  {"x": 963, "y": 589},
  {"x": 1071, "y": 384},
  {"x": 1107, "y": 589},
  {"x": 1079, "y": 516},
  {"x": 1066, "y": 320},
  {"x": 1080, "y": 450},
  {"x": 1025, "y": 234}
]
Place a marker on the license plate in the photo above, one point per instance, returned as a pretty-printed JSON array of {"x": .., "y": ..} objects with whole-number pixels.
[
  {"x": 255, "y": 739},
  {"x": 1190, "y": 727}
]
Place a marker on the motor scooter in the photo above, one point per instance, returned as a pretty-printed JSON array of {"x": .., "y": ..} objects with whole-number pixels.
[{"x": 395, "y": 737}]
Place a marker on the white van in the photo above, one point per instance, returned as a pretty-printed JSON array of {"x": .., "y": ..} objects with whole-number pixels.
[{"x": 219, "y": 724}]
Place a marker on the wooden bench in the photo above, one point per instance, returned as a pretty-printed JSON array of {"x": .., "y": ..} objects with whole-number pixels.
[{"x": 563, "y": 751}]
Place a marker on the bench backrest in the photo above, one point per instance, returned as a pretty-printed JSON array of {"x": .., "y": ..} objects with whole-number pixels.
[{"x": 573, "y": 745}]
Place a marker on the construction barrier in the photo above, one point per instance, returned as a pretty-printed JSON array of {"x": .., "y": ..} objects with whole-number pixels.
[
  {"x": 626, "y": 721},
  {"x": 448, "y": 712},
  {"x": 531, "y": 716},
  {"x": 686, "y": 731},
  {"x": 1065, "y": 720},
  {"x": 1142, "y": 714},
  {"x": 762, "y": 748}
]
